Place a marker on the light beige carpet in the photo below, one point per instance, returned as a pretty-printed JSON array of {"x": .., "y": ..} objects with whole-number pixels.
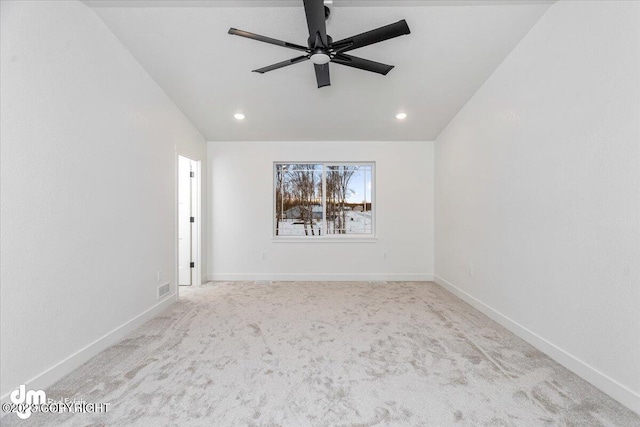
[{"x": 328, "y": 354}]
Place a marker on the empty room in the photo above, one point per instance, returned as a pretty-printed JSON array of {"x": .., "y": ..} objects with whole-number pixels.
[{"x": 320, "y": 213}]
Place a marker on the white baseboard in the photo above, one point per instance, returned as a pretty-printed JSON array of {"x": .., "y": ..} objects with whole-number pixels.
[
  {"x": 610, "y": 386},
  {"x": 319, "y": 277},
  {"x": 66, "y": 366}
]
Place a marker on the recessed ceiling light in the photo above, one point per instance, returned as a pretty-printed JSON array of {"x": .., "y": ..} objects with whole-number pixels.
[
  {"x": 401, "y": 116},
  {"x": 239, "y": 116}
]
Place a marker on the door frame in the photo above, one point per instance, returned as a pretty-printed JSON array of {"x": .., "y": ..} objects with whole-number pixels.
[{"x": 196, "y": 231}]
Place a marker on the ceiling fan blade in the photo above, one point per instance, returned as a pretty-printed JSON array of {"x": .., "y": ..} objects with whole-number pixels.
[
  {"x": 265, "y": 39},
  {"x": 322, "y": 75},
  {"x": 314, "y": 10},
  {"x": 374, "y": 36},
  {"x": 281, "y": 64},
  {"x": 363, "y": 64}
]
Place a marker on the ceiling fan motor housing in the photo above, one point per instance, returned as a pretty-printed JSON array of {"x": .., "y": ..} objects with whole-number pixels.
[{"x": 311, "y": 42}]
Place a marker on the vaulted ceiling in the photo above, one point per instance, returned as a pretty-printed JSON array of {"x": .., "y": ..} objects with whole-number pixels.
[{"x": 453, "y": 47}]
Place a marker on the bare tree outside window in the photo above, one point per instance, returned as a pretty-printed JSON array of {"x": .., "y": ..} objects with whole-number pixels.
[{"x": 314, "y": 199}]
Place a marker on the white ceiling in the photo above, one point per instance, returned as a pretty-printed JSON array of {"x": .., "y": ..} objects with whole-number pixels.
[{"x": 453, "y": 47}]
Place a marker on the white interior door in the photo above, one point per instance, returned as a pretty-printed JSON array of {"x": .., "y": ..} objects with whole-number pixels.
[{"x": 185, "y": 233}]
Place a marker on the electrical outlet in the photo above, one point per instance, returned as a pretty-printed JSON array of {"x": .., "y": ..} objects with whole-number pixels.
[
  {"x": 384, "y": 255},
  {"x": 470, "y": 271},
  {"x": 159, "y": 276},
  {"x": 264, "y": 255}
]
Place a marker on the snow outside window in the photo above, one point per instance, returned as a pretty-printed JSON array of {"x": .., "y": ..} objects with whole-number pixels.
[{"x": 323, "y": 199}]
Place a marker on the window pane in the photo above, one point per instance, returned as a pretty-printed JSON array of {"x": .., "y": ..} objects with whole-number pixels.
[
  {"x": 298, "y": 199},
  {"x": 349, "y": 208},
  {"x": 301, "y": 209}
]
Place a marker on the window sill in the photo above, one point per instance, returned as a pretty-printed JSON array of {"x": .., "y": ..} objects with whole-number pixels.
[{"x": 305, "y": 239}]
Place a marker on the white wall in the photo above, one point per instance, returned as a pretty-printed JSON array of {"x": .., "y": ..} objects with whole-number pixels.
[
  {"x": 88, "y": 189},
  {"x": 241, "y": 204},
  {"x": 538, "y": 191}
]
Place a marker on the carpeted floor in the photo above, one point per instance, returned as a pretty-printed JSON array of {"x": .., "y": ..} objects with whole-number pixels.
[{"x": 327, "y": 354}]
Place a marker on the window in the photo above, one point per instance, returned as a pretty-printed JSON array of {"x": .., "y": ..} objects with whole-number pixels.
[{"x": 323, "y": 199}]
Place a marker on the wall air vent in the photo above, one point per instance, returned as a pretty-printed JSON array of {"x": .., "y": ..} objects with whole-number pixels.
[{"x": 163, "y": 290}]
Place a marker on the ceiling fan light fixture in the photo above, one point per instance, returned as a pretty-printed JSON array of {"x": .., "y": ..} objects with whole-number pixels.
[
  {"x": 401, "y": 116},
  {"x": 320, "y": 58},
  {"x": 238, "y": 116}
]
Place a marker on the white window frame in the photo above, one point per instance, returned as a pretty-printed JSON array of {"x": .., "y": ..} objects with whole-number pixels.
[{"x": 350, "y": 238}]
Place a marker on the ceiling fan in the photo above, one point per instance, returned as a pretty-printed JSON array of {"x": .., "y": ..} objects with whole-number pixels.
[{"x": 321, "y": 49}]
